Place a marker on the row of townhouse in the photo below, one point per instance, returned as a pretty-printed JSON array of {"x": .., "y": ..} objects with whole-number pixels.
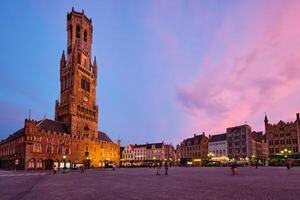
[
  {"x": 149, "y": 153},
  {"x": 241, "y": 143},
  {"x": 238, "y": 143}
]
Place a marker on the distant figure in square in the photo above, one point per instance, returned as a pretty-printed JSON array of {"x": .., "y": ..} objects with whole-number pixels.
[
  {"x": 81, "y": 169},
  {"x": 113, "y": 167},
  {"x": 234, "y": 168},
  {"x": 158, "y": 171},
  {"x": 166, "y": 168},
  {"x": 289, "y": 164},
  {"x": 54, "y": 169}
]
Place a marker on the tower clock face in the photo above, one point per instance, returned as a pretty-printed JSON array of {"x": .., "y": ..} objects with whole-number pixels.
[{"x": 85, "y": 98}]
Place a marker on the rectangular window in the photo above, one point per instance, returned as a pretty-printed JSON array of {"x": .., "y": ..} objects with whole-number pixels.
[{"x": 85, "y": 84}]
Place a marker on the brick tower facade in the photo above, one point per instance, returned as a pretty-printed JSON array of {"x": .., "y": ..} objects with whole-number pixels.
[
  {"x": 78, "y": 79},
  {"x": 72, "y": 139}
]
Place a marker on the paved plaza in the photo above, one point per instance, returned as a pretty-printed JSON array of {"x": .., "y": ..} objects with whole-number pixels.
[{"x": 142, "y": 183}]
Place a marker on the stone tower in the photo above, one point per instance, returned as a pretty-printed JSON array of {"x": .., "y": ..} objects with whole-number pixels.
[{"x": 78, "y": 79}]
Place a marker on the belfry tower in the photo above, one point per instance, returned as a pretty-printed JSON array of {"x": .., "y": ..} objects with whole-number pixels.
[{"x": 78, "y": 79}]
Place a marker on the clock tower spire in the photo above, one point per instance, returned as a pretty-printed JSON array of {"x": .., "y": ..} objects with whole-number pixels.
[{"x": 77, "y": 106}]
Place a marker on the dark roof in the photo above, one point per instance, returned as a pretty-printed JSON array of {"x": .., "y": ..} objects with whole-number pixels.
[
  {"x": 15, "y": 134},
  {"x": 216, "y": 138},
  {"x": 51, "y": 125},
  {"x": 157, "y": 145},
  {"x": 194, "y": 140},
  {"x": 103, "y": 136},
  {"x": 258, "y": 135},
  {"x": 139, "y": 145}
]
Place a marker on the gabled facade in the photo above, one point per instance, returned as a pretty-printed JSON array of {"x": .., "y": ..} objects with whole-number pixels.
[
  {"x": 283, "y": 135},
  {"x": 193, "y": 150}
]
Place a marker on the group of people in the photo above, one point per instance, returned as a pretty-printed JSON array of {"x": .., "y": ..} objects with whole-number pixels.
[
  {"x": 159, "y": 170},
  {"x": 81, "y": 167}
]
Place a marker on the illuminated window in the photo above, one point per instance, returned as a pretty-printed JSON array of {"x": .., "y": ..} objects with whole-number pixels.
[{"x": 31, "y": 163}]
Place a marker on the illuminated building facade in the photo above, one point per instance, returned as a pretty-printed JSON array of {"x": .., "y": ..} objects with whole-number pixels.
[{"x": 73, "y": 137}]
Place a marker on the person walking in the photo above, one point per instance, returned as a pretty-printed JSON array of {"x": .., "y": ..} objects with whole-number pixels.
[
  {"x": 166, "y": 169},
  {"x": 81, "y": 169},
  {"x": 234, "y": 169},
  {"x": 54, "y": 169},
  {"x": 158, "y": 171},
  {"x": 113, "y": 167}
]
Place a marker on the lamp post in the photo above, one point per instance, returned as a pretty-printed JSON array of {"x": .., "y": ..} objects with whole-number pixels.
[
  {"x": 64, "y": 157},
  {"x": 210, "y": 155},
  {"x": 286, "y": 153}
]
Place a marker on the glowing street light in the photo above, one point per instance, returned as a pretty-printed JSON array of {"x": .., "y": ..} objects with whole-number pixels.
[{"x": 285, "y": 152}]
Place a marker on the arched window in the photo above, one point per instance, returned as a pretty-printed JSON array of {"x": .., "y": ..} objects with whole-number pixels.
[
  {"x": 60, "y": 150},
  {"x": 85, "y": 36},
  {"x": 31, "y": 163},
  {"x": 77, "y": 31},
  {"x": 79, "y": 58},
  {"x": 67, "y": 151},
  {"x": 39, "y": 164},
  {"x": 71, "y": 31},
  {"x": 49, "y": 149}
]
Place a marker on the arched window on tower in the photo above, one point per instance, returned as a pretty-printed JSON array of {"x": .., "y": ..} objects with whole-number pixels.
[
  {"x": 71, "y": 31},
  {"x": 85, "y": 36},
  {"x": 78, "y": 31},
  {"x": 79, "y": 58}
]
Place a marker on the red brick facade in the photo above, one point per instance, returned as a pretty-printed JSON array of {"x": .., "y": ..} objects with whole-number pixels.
[{"x": 73, "y": 137}]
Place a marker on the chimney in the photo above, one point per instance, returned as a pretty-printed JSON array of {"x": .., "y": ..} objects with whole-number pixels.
[{"x": 298, "y": 118}]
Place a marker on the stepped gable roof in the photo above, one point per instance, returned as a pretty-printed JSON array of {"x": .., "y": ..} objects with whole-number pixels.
[
  {"x": 217, "y": 138},
  {"x": 103, "y": 136},
  {"x": 258, "y": 135},
  {"x": 194, "y": 140},
  {"x": 51, "y": 125},
  {"x": 157, "y": 145}
]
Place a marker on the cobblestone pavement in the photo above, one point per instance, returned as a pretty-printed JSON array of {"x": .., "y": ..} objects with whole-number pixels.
[{"x": 182, "y": 183}]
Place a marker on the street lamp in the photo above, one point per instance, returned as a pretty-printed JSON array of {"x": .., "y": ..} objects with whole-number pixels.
[
  {"x": 210, "y": 155},
  {"x": 286, "y": 152}
]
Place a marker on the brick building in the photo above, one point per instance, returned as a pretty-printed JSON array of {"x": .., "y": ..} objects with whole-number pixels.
[
  {"x": 283, "y": 135},
  {"x": 193, "y": 150},
  {"x": 73, "y": 137}
]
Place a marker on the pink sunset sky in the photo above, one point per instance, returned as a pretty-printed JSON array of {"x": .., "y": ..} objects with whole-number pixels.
[
  {"x": 167, "y": 68},
  {"x": 253, "y": 67}
]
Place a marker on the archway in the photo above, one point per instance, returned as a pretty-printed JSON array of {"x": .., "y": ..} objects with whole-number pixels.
[{"x": 48, "y": 164}]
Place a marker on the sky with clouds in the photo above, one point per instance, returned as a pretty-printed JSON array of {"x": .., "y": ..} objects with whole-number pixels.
[{"x": 167, "y": 69}]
